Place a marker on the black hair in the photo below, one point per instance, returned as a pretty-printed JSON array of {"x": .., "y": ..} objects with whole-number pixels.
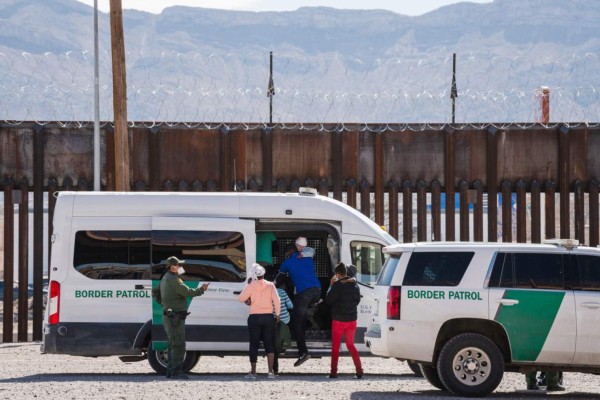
[
  {"x": 289, "y": 250},
  {"x": 280, "y": 280},
  {"x": 271, "y": 272},
  {"x": 290, "y": 247},
  {"x": 341, "y": 269}
]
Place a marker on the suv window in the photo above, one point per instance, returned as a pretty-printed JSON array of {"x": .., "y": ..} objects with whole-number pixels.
[
  {"x": 389, "y": 269},
  {"x": 213, "y": 256},
  {"x": 112, "y": 254},
  {"x": 437, "y": 268},
  {"x": 589, "y": 272},
  {"x": 528, "y": 270},
  {"x": 368, "y": 259},
  {"x": 503, "y": 271}
]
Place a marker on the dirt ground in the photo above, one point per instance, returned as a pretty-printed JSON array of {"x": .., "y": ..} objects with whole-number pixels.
[{"x": 27, "y": 374}]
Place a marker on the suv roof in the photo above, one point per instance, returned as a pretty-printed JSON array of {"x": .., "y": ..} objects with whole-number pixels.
[{"x": 548, "y": 245}]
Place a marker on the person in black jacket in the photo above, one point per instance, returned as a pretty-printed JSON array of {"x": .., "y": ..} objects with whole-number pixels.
[{"x": 343, "y": 297}]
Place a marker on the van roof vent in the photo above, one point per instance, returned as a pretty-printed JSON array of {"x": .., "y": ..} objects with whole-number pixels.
[
  {"x": 307, "y": 191},
  {"x": 566, "y": 243}
]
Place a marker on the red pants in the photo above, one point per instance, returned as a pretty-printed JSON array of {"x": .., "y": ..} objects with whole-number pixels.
[{"x": 347, "y": 329}]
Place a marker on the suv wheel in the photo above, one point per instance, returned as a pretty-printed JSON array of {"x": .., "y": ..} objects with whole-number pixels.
[
  {"x": 470, "y": 364},
  {"x": 431, "y": 374}
]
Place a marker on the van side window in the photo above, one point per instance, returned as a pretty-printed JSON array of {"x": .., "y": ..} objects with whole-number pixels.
[
  {"x": 112, "y": 254},
  {"x": 211, "y": 256},
  {"x": 368, "y": 259},
  {"x": 333, "y": 249},
  {"x": 538, "y": 271},
  {"x": 436, "y": 268},
  {"x": 589, "y": 272}
]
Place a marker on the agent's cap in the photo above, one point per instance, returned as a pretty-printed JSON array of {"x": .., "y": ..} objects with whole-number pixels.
[
  {"x": 301, "y": 241},
  {"x": 258, "y": 269},
  {"x": 174, "y": 261}
]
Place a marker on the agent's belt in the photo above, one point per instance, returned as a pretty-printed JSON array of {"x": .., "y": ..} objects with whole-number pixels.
[{"x": 170, "y": 313}]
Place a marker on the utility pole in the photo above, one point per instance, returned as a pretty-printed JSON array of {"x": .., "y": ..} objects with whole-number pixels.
[
  {"x": 271, "y": 89},
  {"x": 453, "y": 90},
  {"x": 119, "y": 97},
  {"x": 96, "y": 103}
]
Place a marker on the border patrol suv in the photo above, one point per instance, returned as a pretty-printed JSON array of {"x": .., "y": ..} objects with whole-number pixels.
[{"x": 467, "y": 312}]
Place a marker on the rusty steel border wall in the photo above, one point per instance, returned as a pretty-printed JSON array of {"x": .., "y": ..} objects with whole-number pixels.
[{"x": 397, "y": 177}]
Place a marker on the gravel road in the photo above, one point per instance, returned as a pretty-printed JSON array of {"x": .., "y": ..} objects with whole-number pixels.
[{"x": 27, "y": 374}]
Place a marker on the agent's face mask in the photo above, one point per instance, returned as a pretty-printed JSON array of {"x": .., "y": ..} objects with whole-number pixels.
[{"x": 180, "y": 271}]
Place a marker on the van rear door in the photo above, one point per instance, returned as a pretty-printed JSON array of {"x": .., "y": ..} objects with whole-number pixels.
[
  {"x": 217, "y": 251},
  {"x": 367, "y": 255}
]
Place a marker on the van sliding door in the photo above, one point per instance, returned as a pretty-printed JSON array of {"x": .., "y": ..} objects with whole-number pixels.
[{"x": 217, "y": 251}]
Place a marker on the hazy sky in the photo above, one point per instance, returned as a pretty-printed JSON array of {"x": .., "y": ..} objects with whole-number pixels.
[{"x": 406, "y": 7}]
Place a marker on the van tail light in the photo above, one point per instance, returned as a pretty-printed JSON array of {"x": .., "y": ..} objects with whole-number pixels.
[
  {"x": 393, "y": 302},
  {"x": 54, "y": 303}
]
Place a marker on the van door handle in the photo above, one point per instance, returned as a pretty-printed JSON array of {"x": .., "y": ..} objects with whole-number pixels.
[
  {"x": 238, "y": 292},
  {"x": 140, "y": 287},
  {"x": 508, "y": 302},
  {"x": 591, "y": 305}
]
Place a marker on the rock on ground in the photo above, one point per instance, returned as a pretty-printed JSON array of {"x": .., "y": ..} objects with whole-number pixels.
[{"x": 27, "y": 374}]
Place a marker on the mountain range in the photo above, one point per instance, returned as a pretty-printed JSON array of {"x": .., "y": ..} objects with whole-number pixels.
[{"x": 337, "y": 66}]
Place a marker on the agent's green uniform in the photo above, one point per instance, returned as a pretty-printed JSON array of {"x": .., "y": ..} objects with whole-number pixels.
[{"x": 172, "y": 294}]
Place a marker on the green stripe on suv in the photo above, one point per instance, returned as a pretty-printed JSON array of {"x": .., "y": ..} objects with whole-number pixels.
[{"x": 528, "y": 323}]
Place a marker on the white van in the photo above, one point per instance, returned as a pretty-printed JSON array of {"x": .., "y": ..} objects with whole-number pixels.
[{"x": 109, "y": 248}]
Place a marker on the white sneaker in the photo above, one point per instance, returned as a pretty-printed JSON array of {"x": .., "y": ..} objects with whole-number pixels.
[
  {"x": 250, "y": 376},
  {"x": 271, "y": 375}
]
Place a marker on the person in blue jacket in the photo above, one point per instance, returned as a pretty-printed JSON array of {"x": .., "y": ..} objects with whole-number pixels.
[{"x": 301, "y": 269}]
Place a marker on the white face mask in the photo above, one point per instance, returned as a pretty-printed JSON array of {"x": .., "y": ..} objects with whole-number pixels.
[{"x": 181, "y": 271}]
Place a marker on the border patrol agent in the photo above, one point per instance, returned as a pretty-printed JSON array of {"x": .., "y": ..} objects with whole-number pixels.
[{"x": 172, "y": 294}]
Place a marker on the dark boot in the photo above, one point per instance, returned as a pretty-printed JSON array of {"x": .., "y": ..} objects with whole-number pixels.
[
  {"x": 552, "y": 379},
  {"x": 531, "y": 380}
]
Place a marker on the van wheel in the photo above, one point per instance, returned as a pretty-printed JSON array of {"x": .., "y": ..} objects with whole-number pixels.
[
  {"x": 414, "y": 367},
  {"x": 470, "y": 365},
  {"x": 430, "y": 373},
  {"x": 158, "y": 360}
]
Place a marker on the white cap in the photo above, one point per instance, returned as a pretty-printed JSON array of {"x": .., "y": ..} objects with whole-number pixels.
[
  {"x": 258, "y": 270},
  {"x": 301, "y": 241}
]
